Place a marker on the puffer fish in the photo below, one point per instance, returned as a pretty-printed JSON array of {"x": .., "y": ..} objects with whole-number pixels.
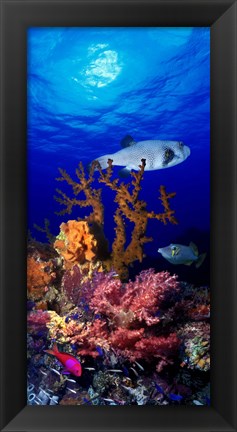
[
  {"x": 70, "y": 363},
  {"x": 158, "y": 155},
  {"x": 180, "y": 254}
]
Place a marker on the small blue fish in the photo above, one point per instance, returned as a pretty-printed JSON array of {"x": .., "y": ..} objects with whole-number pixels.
[
  {"x": 159, "y": 388},
  {"x": 74, "y": 346},
  {"x": 126, "y": 371},
  {"x": 99, "y": 350},
  {"x": 175, "y": 397}
]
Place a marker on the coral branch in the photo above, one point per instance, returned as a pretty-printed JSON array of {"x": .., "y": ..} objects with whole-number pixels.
[
  {"x": 92, "y": 196},
  {"x": 129, "y": 208}
]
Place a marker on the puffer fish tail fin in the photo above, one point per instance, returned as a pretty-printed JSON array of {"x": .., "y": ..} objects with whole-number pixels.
[
  {"x": 127, "y": 141},
  {"x": 103, "y": 161},
  {"x": 124, "y": 172},
  {"x": 194, "y": 248},
  {"x": 200, "y": 260}
]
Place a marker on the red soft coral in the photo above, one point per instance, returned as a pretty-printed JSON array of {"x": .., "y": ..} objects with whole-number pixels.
[
  {"x": 137, "y": 345},
  {"x": 136, "y": 301}
]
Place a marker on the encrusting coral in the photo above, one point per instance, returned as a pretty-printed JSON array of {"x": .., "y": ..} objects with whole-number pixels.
[{"x": 128, "y": 206}]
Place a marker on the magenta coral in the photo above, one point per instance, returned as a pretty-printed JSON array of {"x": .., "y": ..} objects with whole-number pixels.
[
  {"x": 136, "y": 301},
  {"x": 72, "y": 283},
  {"x": 37, "y": 320}
]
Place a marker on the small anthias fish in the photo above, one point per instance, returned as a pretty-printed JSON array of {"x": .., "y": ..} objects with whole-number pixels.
[
  {"x": 158, "y": 155},
  {"x": 70, "y": 363},
  {"x": 180, "y": 254}
]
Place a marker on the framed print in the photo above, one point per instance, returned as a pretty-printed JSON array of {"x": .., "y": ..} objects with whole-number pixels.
[{"x": 118, "y": 251}]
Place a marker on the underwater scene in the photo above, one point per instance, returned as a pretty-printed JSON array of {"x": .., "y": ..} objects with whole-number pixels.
[{"x": 118, "y": 245}]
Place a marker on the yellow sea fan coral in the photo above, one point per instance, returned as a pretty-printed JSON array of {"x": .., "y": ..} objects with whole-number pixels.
[
  {"x": 75, "y": 243},
  {"x": 129, "y": 209}
]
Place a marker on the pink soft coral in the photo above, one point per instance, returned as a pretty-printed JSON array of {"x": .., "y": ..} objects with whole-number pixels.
[
  {"x": 137, "y": 345},
  {"x": 137, "y": 301}
]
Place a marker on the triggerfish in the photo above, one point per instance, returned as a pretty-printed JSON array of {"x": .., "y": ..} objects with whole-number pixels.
[
  {"x": 157, "y": 154},
  {"x": 70, "y": 363},
  {"x": 180, "y": 254}
]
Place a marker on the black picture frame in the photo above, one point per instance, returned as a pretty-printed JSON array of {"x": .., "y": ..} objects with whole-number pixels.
[{"x": 16, "y": 17}]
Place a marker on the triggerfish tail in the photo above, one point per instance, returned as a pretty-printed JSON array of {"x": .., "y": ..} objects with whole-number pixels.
[
  {"x": 53, "y": 351},
  {"x": 200, "y": 260}
]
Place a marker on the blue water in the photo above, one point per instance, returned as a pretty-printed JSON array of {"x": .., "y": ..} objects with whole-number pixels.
[{"x": 88, "y": 88}]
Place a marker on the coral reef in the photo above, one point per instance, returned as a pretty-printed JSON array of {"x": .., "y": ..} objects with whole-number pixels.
[
  {"x": 40, "y": 274},
  {"x": 123, "y": 317},
  {"x": 75, "y": 243},
  {"x": 37, "y": 321},
  {"x": 144, "y": 341},
  {"x": 75, "y": 282},
  {"x": 196, "y": 340},
  {"x": 128, "y": 206}
]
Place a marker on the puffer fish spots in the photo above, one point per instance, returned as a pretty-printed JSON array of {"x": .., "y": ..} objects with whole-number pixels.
[
  {"x": 158, "y": 155},
  {"x": 181, "y": 254},
  {"x": 70, "y": 363}
]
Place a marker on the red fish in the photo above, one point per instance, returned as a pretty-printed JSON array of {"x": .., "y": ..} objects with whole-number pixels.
[{"x": 70, "y": 363}]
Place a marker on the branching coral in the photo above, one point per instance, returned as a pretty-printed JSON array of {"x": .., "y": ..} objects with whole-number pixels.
[
  {"x": 75, "y": 243},
  {"x": 134, "y": 210},
  {"x": 128, "y": 207},
  {"x": 84, "y": 185}
]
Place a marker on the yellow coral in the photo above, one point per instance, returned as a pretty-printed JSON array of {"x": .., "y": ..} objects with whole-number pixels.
[
  {"x": 75, "y": 243},
  {"x": 60, "y": 330}
]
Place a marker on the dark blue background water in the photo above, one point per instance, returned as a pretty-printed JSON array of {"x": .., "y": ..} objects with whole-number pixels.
[{"x": 88, "y": 88}]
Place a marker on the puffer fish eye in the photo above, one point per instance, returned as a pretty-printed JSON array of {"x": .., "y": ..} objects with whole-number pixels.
[
  {"x": 181, "y": 144},
  {"x": 168, "y": 155},
  {"x": 173, "y": 248}
]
